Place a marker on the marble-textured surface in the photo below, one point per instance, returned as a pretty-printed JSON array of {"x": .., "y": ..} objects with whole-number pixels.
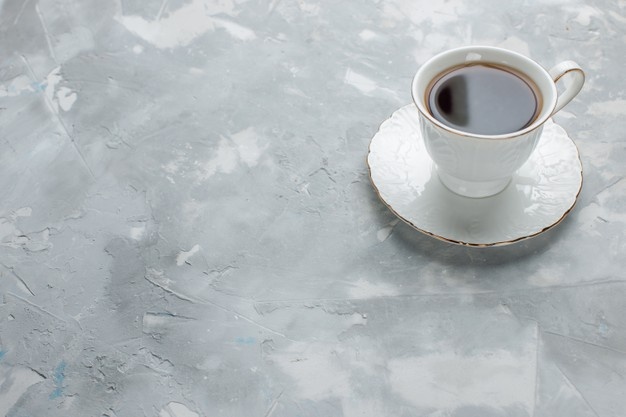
[{"x": 187, "y": 226}]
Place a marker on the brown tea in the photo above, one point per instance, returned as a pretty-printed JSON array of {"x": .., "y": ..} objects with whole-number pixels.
[{"x": 483, "y": 99}]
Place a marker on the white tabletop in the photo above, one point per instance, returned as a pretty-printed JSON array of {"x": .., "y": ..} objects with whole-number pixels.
[{"x": 188, "y": 228}]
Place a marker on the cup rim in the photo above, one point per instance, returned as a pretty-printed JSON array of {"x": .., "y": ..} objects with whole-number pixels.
[{"x": 543, "y": 117}]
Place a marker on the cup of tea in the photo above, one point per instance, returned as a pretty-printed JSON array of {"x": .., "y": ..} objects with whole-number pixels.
[{"x": 482, "y": 110}]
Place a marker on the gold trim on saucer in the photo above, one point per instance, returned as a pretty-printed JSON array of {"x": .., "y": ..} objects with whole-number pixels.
[{"x": 464, "y": 243}]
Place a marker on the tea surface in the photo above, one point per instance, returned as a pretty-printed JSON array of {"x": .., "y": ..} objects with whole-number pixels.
[{"x": 483, "y": 99}]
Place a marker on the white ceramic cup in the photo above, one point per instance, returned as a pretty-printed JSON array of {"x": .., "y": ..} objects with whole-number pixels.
[{"x": 474, "y": 165}]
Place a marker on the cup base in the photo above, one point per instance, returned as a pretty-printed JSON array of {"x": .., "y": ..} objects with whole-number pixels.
[{"x": 473, "y": 189}]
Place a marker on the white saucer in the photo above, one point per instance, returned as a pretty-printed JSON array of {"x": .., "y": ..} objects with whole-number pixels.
[{"x": 540, "y": 195}]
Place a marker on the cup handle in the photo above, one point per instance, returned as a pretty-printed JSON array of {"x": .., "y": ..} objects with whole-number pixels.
[{"x": 575, "y": 78}]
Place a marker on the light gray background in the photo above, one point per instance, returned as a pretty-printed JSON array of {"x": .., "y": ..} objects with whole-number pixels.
[{"x": 187, "y": 226}]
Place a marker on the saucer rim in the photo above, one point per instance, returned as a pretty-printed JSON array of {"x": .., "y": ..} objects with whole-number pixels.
[{"x": 460, "y": 242}]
